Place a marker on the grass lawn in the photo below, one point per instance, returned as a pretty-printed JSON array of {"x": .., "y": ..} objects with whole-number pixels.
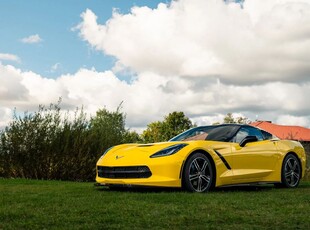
[{"x": 31, "y": 204}]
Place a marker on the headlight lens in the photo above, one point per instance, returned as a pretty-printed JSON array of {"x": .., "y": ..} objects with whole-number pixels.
[
  {"x": 168, "y": 151},
  {"x": 106, "y": 152}
]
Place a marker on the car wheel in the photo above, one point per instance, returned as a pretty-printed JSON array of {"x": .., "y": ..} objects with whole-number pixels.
[
  {"x": 291, "y": 171},
  {"x": 198, "y": 173}
]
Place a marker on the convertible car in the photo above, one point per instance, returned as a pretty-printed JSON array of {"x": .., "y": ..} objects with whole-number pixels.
[{"x": 205, "y": 157}]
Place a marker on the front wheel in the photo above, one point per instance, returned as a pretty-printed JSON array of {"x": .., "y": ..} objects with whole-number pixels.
[
  {"x": 291, "y": 171},
  {"x": 198, "y": 173}
]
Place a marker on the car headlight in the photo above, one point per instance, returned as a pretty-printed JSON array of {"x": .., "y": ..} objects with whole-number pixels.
[
  {"x": 168, "y": 151},
  {"x": 106, "y": 152}
]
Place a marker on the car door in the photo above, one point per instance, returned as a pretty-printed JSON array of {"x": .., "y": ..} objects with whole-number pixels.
[{"x": 255, "y": 160}]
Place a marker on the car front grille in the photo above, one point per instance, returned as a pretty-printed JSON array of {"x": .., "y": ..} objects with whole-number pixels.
[{"x": 129, "y": 172}]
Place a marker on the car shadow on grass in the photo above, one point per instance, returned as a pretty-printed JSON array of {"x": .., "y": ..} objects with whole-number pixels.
[
  {"x": 235, "y": 188},
  {"x": 138, "y": 189},
  {"x": 243, "y": 188}
]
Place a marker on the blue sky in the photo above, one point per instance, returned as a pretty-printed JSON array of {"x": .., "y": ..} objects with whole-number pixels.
[
  {"x": 206, "y": 58},
  {"x": 53, "y": 22}
]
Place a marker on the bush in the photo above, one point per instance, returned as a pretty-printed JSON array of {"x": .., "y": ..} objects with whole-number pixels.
[
  {"x": 48, "y": 144},
  {"x": 307, "y": 175}
]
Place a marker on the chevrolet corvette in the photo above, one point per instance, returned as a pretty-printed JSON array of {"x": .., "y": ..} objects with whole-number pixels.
[{"x": 205, "y": 157}]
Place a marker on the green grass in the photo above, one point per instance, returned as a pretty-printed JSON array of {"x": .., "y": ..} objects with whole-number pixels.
[{"x": 31, "y": 204}]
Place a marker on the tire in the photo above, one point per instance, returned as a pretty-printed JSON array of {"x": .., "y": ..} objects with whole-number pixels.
[
  {"x": 291, "y": 171},
  {"x": 198, "y": 174}
]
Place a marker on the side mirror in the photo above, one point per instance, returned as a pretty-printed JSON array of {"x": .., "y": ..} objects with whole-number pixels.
[{"x": 247, "y": 140}]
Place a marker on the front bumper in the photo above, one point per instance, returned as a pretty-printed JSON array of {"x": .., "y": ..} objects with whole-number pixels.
[{"x": 162, "y": 174}]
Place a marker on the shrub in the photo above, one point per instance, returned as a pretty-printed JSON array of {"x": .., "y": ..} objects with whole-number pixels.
[{"x": 48, "y": 144}]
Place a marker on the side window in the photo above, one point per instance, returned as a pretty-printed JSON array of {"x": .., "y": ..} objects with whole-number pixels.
[
  {"x": 248, "y": 131},
  {"x": 266, "y": 135},
  {"x": 242, "y": 133},
  {"x": 255, "y": 132}
]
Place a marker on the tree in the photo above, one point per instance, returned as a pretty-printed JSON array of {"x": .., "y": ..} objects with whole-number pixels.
[
  {"x": 176, "y": 123},
  {"x": 230, "y": 119},
  {"x": 131, "y": 137},
  {"x": 154, "y": 132},
  {"x": 108, "y": 128},
  {"x": 172, "y": 125}
]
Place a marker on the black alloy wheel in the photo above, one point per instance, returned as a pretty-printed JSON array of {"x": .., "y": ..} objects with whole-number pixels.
[
  {"x": 198, "y": 173},
  {"x": 291, "y": 171}
]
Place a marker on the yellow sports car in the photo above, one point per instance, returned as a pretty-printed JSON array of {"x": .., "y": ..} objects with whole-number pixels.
[{"x": 205, "y": 157}]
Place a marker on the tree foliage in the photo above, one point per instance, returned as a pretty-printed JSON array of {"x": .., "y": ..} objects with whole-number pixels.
[
  {"x": 230, "y": 119},
  {"x": 172, "y": 125},
  {"x": 108, "y": 128},
  {"x": 154, "y": 132},
  {"x": 48, "y": 144}
]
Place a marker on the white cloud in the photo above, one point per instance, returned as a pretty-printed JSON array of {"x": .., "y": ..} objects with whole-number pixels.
[
  {"x": 9, "y": 57},
  {"x": 5, "y": 116},
  {"x": 203, "y": 57},
  {"x": 293, "y": 120},
  {"x": 263, "y": 41},
  {"x": 12, "y": 91},
  {"x": 32, "y": 39},
  {"x": 203, "y": 120},
  {"x": 150, "y": 96}
]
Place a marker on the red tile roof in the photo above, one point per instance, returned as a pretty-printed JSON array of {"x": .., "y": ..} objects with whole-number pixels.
[{"x": 284, "y": 131}]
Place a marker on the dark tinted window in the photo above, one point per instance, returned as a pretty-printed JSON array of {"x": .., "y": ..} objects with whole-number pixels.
[
  {"x": 248, "y": 131},
  {"x": 222, "y": 133},
  {"x": 214, "y": 133},
  {"x": 266, "y": 135},
  {"x": 198, "y": 133}
]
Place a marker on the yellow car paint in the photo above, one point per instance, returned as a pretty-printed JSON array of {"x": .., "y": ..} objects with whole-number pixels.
[{"x": 251, "y": 163}]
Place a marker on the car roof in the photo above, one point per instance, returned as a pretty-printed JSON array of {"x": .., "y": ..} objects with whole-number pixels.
[{"x": 227, "y": 124}]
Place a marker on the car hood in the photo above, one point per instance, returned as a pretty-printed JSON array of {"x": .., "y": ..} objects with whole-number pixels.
[
  {"x": 140, "y": 153},
  {"x": 132, "y": 153}
]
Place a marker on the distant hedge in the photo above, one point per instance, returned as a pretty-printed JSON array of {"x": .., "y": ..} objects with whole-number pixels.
[{"x": 49, "y": 144}]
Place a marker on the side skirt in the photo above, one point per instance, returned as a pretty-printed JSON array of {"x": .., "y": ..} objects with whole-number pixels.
[{"x": 249, "y": 184}]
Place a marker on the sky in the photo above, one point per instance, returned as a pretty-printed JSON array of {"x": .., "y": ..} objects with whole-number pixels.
[{"x": 206, "y": 58}]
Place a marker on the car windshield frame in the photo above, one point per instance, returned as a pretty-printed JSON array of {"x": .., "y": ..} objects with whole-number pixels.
[{"x": 224, "y": 133}]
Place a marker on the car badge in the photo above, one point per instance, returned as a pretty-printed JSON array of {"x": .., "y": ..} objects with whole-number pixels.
[{"x": 118, "y": 157}]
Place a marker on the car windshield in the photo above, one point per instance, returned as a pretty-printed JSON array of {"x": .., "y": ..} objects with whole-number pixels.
[{"x": 214, "y": 133}]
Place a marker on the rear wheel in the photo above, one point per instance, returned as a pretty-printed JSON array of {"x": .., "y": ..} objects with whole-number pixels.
[
  {"x": 198, "y": 173},
  {"x": 291, "y": 171}
]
